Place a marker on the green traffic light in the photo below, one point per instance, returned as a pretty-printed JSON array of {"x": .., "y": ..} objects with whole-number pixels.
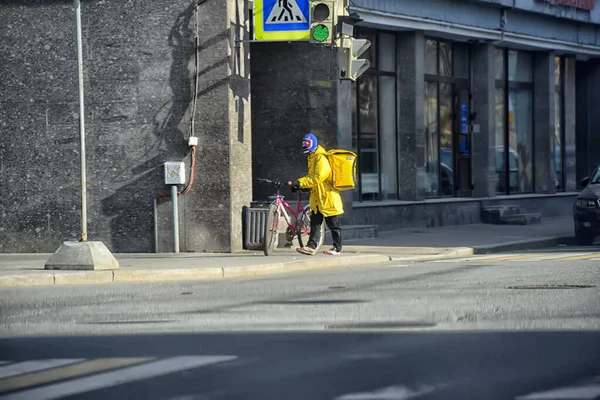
[{"x": 320, "y": 33}]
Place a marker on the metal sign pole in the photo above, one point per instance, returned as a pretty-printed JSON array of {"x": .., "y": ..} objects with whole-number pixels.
[{"x": 81, "y": 124}]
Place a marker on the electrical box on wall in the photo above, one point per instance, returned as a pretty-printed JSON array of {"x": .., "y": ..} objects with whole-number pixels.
[{"x": 174, "y": 173}]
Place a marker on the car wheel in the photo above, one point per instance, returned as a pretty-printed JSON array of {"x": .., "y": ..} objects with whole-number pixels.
[{"x": 584, "y": 239}]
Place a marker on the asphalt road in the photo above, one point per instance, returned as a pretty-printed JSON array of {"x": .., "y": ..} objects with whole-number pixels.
[{"x": 476, "y": 328}]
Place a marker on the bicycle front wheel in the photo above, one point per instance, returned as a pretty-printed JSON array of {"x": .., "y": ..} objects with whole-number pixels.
[
  {"x": 303, "y": 229},
  {"x": 271, "y": 229}
]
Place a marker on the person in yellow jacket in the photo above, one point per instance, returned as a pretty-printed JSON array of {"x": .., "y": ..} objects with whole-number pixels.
[{"x": 325, "y": 201}]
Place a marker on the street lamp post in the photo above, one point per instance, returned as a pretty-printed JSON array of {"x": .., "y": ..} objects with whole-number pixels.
[
  {"x": 81, "y": 123},
  {"x": 82, "y": 255}
]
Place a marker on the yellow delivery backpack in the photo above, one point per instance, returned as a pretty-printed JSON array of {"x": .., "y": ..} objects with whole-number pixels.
[{"x": 343, "y": 167}]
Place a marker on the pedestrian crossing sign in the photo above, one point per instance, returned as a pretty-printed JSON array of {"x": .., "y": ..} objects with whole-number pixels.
[{"x": 285, "y": 20}]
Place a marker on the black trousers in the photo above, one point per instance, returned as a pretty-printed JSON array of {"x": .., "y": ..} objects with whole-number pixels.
[{"x": 333, "y": 223}]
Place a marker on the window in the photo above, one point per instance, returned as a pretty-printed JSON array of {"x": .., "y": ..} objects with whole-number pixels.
[
  {"x": 446, "y": 72},
  {"x": 514, "y": 121},
  {"x": 559, "y": 133},
  {"x": 596, "y": 178},
  {"x": 374, "y": 137}
]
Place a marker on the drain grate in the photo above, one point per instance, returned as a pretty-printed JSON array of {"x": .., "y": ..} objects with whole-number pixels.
[{"x": 563, "y": 286}]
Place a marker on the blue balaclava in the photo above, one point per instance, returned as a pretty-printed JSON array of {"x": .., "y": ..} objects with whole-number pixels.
[{"x": 309, "y": 143}]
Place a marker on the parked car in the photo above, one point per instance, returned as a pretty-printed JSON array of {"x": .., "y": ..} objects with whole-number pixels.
[{"x": 586, "y": 211}]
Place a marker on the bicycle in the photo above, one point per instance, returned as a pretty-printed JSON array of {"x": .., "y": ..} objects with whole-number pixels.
[{"x": 299, "y": 227}]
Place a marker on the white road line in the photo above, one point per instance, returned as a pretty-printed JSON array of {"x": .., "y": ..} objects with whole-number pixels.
[
  {"x": 584, "y": 392},
  {"x": 389, "y": 393},
  {"x": 32, "y": 366},
  {"x": 117, "y": 377}
]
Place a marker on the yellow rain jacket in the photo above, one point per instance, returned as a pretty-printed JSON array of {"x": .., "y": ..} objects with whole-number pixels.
[{"x": 323, "y": 196}]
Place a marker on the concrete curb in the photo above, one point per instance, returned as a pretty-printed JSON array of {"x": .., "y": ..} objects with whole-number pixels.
[
  {"x": 141, "y": 275},
  {"x": 528, "y": 244},
  {"x": 458, "y": 252}
]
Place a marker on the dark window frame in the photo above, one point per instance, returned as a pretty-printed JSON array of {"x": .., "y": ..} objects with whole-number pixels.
[
  {"x": 373, "y": 71},
  {"x": 505, "y": 84},
  {"x": 563, "y": 132}
]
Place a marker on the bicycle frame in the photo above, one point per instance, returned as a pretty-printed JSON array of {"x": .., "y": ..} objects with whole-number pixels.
[{"x": 284, "y": 209}]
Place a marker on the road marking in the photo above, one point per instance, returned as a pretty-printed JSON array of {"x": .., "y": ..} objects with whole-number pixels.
[
  {"x": 528, "y": 257},
  {"x": 70, "y": 371},
  {"x": 389, "y": 393},
  {"x": 33, "y": 366},
  {"x": 580, "y": 257},
  {"x": 114, "y": 378},
  {"x": 584, "y": 392}
]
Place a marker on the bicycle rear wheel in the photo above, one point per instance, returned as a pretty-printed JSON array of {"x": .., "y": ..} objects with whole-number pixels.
[
  {"x": 303, "y": 229},
  {"x": 271, "y": 229}
]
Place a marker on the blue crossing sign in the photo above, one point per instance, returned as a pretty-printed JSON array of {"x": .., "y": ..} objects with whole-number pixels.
[{"x": 282, "y": 20}]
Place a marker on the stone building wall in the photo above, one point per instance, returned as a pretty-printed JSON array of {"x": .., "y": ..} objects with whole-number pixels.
[{"x": 140, "y": 67}]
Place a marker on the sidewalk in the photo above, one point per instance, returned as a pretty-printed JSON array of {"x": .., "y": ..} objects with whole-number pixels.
[{"x": 406, "y": 245}]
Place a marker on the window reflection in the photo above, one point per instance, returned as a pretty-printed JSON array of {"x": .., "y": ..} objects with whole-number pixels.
[
  {"x": 569, "y": 130},
  {"x": 499, "y": 64},
  {"x": 558, "y": 126},
  {"x": 514, "y": 126},
  {"x": 460, "y": 60},
  {"x": 431, "y": 184},
  {"x": 446, "y": 147},
  {"x": 520, "y": 66},
  {"x": 431, "y": 57},
  {"x": 369, "y": 171},
  {"x": 500, "y": 145},
  {"x": 445, "y": 60},
  {"x": 387, "y": 134},
  {"x": 520, "y": 135}
]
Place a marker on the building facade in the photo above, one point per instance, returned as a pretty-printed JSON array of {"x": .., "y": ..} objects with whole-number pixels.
[{"x": 466, "y": 104}]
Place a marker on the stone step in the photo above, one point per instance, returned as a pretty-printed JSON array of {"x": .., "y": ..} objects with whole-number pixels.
[
  {"x": 492, "y": 214},
  {"x": 521, "y": 219}
]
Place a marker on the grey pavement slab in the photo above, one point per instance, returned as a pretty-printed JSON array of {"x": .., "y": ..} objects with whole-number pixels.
[
  {"x": 472, "y": 235},
  {"x": 408, "y": 245}
]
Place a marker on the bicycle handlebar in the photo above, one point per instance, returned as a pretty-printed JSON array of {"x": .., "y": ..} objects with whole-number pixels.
[{"x": 276, "y": 183}]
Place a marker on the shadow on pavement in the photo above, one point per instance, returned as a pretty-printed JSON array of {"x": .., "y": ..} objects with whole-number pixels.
[{"x": 293, "y": 365}]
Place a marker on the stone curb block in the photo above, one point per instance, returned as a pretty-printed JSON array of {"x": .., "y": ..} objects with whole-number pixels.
[
  {"x": 27, "y": 280},
  {"x": 186, "y": 274},
  {"x": 83, "y": 277},
  {"x": 166, "y": 275},
  {"x": 459, "y": 252},
  {"x": 306, "y": 265}
]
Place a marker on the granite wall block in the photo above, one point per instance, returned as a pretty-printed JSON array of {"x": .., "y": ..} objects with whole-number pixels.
[
  {"x": 140, "y": 70},
  {"x": 411, "y": 123},
  {"x": 294, "y": 92}
]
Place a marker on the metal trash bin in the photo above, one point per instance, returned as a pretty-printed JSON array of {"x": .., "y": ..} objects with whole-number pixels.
[{"x": 254, "y": 221}]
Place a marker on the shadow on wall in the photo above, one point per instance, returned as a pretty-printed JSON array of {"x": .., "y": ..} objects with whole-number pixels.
[{"x": 131, "y": 206}]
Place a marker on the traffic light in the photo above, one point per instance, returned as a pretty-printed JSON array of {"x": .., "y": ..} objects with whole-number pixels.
[
  {"x": 322, "y": 21},
  {"x": 350, "y": 65}
]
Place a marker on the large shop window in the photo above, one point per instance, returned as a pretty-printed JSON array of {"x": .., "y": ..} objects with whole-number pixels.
[
  {"x": 375, "y": 140},
  {"x": 446, "y": 74},
  {"x": 514, "y": 121},
  {"x": 564, "y": 139}
]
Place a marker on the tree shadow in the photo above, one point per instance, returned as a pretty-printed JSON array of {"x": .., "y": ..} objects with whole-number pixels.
[{"x": 132, "y": 220}]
